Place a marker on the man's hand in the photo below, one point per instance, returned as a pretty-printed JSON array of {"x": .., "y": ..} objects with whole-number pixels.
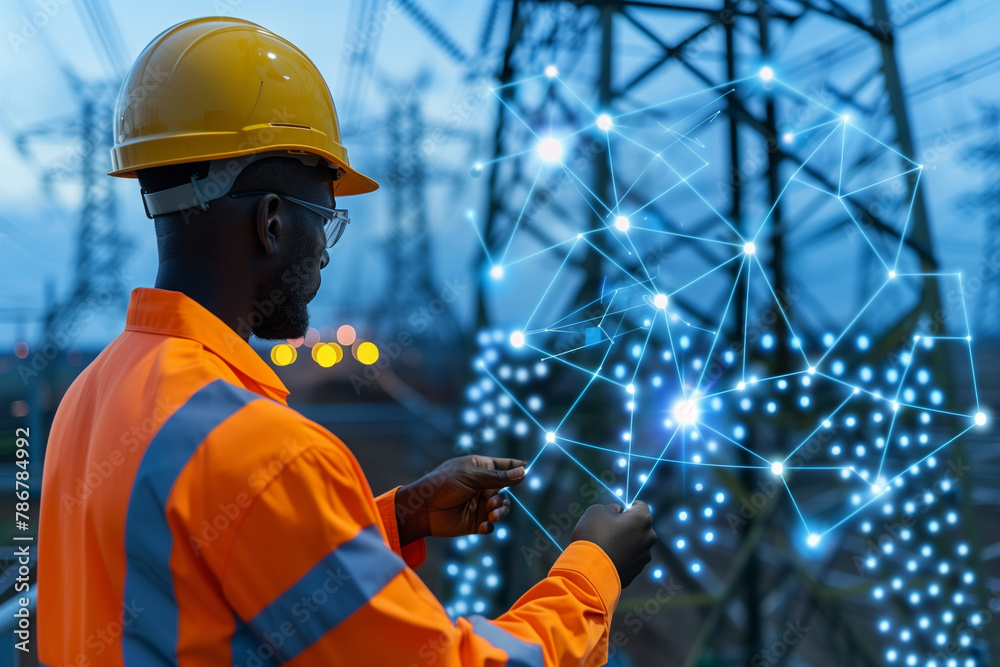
[
  {"x": 460, "y": 497},
  {"x": 626, "y": 536}
]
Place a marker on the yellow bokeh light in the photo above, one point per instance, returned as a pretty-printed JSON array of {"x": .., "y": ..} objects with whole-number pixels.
[
  {"x": 326, "y": 356},
  {"x": 346, "y": 335},
  {"x": 315, "y": 350},
  {"x": 283, "y": 354},
  {"x": 367, "y": 353}
]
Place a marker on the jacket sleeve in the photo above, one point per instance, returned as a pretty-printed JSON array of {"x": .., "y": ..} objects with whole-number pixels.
[
  {"x": 313, "y": 581},
  {"x": 413, "y": 554}
]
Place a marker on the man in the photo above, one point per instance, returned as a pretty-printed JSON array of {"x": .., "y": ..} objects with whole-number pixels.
[{"x": 222, "y": 526}]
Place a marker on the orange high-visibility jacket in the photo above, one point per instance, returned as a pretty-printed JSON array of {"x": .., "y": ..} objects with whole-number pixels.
[{"x": 190, "y": 517}]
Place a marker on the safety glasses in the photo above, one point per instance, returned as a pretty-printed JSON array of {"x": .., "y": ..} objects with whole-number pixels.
[{"x": 335, "y": 219}]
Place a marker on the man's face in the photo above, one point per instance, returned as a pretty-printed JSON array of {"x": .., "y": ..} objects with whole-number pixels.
[{"x": 297, "y": 279}]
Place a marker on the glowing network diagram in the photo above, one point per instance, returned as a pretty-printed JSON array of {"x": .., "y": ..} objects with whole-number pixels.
[
  {"x": 697, "y": 392},
  {"x": 644, "y": 303}
]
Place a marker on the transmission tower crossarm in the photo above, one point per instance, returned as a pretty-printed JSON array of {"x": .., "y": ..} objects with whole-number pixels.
[
  {"x": 710, "y": 10},
  {"x": 841, "y": 13},
  {"x": 434, "y": 30}
]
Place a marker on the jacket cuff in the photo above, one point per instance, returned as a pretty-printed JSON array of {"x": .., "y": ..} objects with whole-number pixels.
[
  {"x": 589, "y": 561},
  {"x": 415, "y": 553}
]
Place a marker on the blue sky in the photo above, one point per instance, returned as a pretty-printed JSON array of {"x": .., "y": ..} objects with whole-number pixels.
[{"x": 38, "y": 226}]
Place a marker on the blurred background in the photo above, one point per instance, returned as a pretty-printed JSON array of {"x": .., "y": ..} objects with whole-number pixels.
[{"x": 408, "y": 360}]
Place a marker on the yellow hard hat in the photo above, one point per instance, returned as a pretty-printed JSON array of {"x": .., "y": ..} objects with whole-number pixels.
[{"x": 217, "y": 88}]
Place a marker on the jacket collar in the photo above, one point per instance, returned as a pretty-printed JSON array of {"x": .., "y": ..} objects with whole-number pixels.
[{"x": 169, "y": 313}]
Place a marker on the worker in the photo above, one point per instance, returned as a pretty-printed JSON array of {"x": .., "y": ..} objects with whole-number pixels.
[{"x": 189, "y": 516}]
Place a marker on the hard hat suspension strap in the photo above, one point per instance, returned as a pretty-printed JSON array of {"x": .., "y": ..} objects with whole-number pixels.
[{"x": 216, "y": 184}]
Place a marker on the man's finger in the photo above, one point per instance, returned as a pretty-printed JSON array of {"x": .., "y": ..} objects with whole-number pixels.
[
  {"x": 482, "y": 478},
  {"x": 499, "y": 513},
  {"x": 506, "y": 464},
  {"x": 639, "y": 506}
]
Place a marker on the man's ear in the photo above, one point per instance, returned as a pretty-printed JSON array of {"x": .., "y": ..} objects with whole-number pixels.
[{"x": 271, "y": 224}]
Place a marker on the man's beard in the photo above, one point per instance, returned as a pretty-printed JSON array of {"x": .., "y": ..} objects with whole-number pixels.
[{"x": 290, "y": 318}]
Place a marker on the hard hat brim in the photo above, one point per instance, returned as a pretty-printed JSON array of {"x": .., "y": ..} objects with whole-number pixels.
[{"x": 350, "y": 182}]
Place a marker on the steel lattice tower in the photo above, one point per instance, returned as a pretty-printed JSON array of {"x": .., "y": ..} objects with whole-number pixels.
[{"x": 724, "y": 39}]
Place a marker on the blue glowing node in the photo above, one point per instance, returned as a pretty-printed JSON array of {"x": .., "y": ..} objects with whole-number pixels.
[
  {"x": 550, "y": 437},
  {"x": 777, "y": 468},
  {"x": 550, "y": 150},
  {"x": 517, "y": 339},
  {"x": 685, "y": 412},
  {"x": 813, "y": 540},
  {"x": 749, "y": 248},
  {"x": 766, "y": 73},
  {"x": 551, "y": 71},
  {"x": 621, "y": 223},
  {"x": 980, "y": 418},
  {"x": 604, "y": 122},
  {"x": 496, "y": 272}
]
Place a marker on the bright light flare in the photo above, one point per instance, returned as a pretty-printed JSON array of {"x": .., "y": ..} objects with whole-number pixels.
[
  {"x": 777, "y": 468},
  {"x": 660, "y": 301},
  {"x": 496, "y": 272},
  {"x": 980, "y": 418},
  {"x": 604, "y": 122},
  {"x": 621, "y": 223},
  {"x": 685, "y": 412},
  {"x": 749, "y": 248},
  {"x": 517, "y": 339},
  {"x": 549, "y": 149},
  {"x": 813, "y": 540},
  {"x": 766, "y": 73},
  {"x": 551, "y": 71}
]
